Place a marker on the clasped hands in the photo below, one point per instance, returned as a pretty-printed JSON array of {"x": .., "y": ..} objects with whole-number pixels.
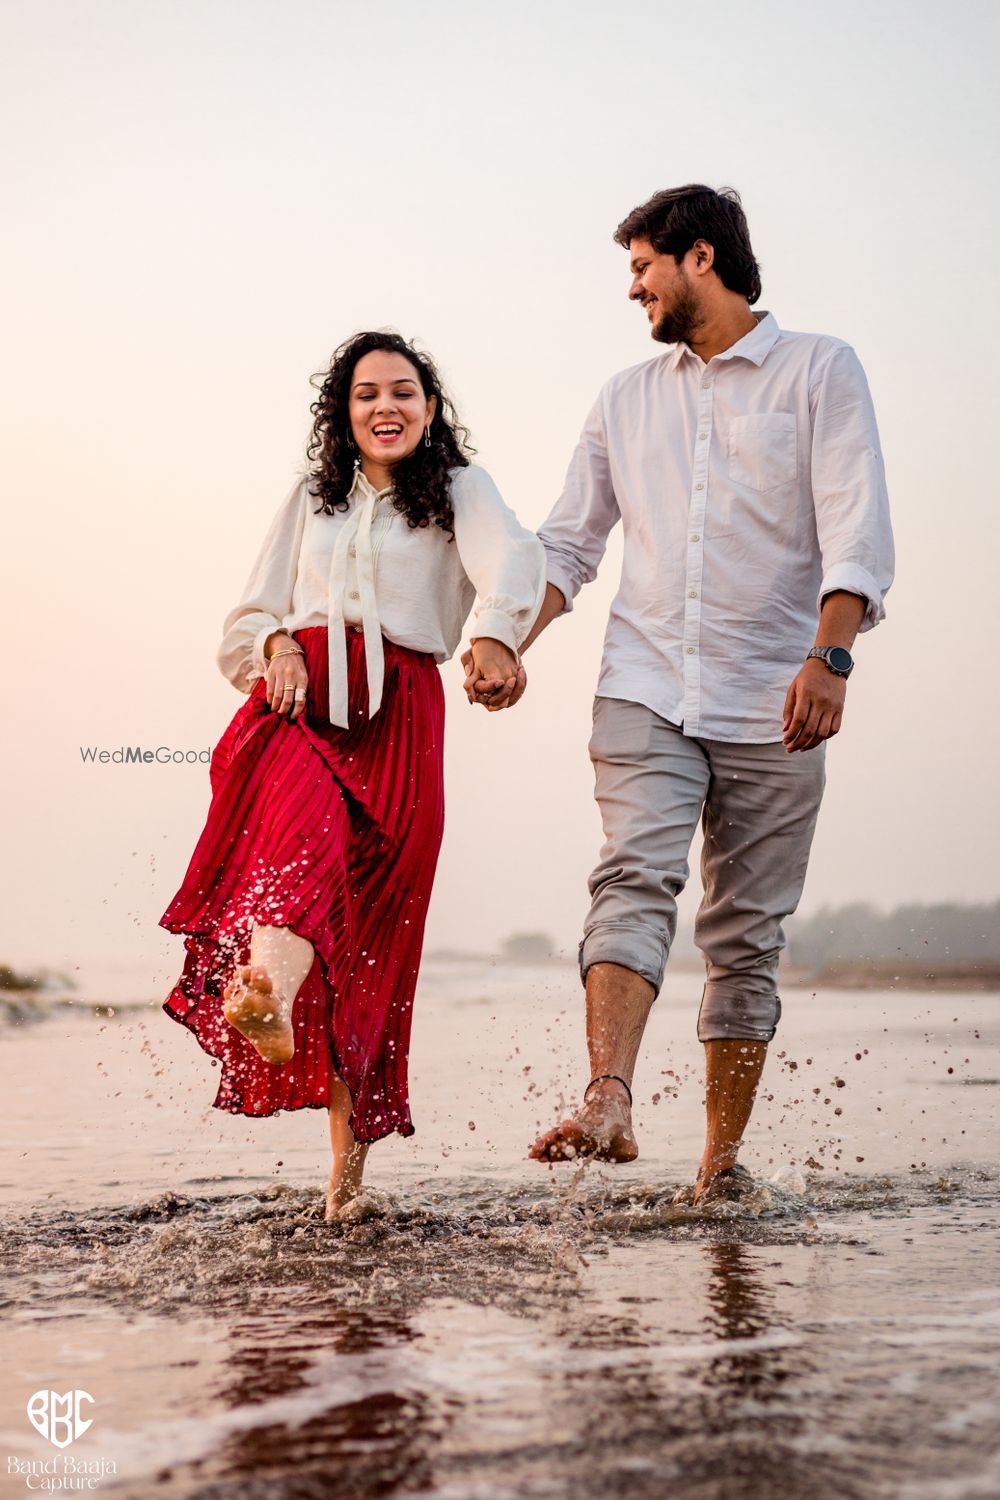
[{"x": 494, "y": 676}]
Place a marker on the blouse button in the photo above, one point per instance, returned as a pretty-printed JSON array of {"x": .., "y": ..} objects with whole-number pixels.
[
  {"x": 354, "y": 594},
  {"x": 352, "y": 552}
]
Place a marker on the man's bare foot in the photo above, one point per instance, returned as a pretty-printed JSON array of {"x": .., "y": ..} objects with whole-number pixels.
[
  {"x": 726, "y": 1184},
  {"x": 601, "y": 1128},
  {"x": 255, "y": 1009}
]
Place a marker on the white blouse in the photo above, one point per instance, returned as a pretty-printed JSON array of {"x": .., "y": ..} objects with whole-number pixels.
[{"x": 367, "y": 567}]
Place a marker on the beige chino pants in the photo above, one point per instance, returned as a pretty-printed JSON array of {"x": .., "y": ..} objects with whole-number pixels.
[{"x": 758, "y": 807}]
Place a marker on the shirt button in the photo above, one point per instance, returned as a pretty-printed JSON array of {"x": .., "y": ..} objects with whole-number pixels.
[
  {"x": 695, "y": 536},
  {"x": 705, "y": 384},
  {"x": 692, "y": 593},
  {"x": 699, "y": 486},
  {"x": 702, "y": 435},
  {"x": 354, "y": 594},
  {"x": 690, "y": 651},
  {"x": 352, "y": 552}
]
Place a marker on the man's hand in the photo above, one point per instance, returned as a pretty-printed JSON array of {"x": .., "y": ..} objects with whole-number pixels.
[
  {"x": 493, "y": 675},
  {"x": 814, "y": 706}
]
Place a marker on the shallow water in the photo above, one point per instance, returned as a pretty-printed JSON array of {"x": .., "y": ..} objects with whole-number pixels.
[{"x": 498, "y": 1328}]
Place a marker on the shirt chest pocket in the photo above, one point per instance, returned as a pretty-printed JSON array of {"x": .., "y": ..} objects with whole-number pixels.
[{"x": 762, "y": 450}]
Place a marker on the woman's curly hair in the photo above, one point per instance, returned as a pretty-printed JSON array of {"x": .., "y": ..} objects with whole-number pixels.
[{"x": 420, "y": 483}]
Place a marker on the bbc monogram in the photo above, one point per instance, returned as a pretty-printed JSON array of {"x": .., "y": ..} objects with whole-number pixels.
[{"x": 58, "y": 1417}]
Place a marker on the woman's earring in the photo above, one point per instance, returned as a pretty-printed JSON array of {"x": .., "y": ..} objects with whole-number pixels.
[{"x": 427, "y": 435}]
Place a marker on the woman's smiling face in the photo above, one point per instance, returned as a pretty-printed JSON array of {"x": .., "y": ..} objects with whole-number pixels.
[{"x": 387, "y": 408}]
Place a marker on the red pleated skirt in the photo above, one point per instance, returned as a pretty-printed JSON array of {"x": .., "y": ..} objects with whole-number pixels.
[{"x": 335, "y": 834}]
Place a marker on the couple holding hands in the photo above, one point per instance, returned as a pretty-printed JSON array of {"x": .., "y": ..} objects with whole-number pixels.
[{"x": 744, "y": 464}]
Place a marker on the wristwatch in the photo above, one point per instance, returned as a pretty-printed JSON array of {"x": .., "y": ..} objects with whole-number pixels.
[{"x": 838, "y": 659}]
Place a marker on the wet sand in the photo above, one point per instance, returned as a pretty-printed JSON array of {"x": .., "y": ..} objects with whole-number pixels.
[{"x": 500, "y": 1328}]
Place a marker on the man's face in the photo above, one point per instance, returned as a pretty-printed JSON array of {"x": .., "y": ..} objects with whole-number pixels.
[{"x": 665, "y": 291}]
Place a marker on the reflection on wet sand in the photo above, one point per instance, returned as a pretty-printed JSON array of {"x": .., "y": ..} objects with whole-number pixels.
[
  {"x": 493, "y": 1342},
  {"x": 661, "y": 1385},
  {"x": 503, "y": 1331},
  {"x": 381, "y": 1439},
  {"x": 740, "y": 1311}
]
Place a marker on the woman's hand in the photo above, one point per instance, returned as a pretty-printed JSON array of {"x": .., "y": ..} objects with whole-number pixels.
[
  {"x": 285, "y": 678},
  {"x": 493, "y": 675}
]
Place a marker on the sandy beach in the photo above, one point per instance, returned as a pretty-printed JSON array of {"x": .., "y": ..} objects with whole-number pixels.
[{"x": 499, "y": 1328}]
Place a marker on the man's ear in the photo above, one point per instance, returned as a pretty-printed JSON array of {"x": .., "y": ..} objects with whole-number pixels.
[{"x": 704, "y": 256}]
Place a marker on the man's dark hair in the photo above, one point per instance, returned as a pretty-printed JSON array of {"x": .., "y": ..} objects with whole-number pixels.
[{"x": 672, "y": 220}]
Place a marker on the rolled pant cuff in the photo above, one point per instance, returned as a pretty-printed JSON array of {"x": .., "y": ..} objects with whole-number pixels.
[
  {"x": 634, "y": 948},
  {"x": 730, "y": 1012}
]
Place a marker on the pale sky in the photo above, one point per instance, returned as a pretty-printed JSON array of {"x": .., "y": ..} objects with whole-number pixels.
[{"x": 202, "y": 198}]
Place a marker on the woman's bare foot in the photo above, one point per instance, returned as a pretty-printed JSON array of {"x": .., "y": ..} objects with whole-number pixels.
[
  {"x": 344, "y": 1191},
  {"x": 338, "y": 1196},
  {"x": 601, "y": 1128},
  {"x": 257, "y": 1011},
  {"x": 349, "y": 1156}
]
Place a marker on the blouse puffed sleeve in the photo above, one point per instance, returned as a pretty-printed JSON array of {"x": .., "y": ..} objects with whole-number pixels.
[
  {"x": 267, "y": 594},
  {"x": 503, "y": 559}
]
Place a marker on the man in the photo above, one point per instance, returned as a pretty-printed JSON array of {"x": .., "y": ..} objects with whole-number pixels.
[{"x": 745, "y": 466}]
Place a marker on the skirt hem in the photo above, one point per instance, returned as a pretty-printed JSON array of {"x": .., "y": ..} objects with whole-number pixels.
[{"x": 406, "y": 1129}]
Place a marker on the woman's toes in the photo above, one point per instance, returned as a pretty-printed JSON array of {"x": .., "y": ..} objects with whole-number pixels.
[{"x": 261, "y": 1014}]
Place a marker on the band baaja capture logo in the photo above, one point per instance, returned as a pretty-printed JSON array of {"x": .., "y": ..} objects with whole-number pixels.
[{"x": 60, "y": 1419}]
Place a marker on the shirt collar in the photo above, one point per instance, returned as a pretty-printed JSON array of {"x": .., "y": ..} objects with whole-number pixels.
[
  {"x": 755, "y": 345},
  {"x": 362, "y": 487}
]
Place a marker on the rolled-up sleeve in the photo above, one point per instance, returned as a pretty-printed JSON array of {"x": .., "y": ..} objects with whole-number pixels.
[
  {"x": 575, "y": 533},
  {"x": 502, "y": 559},
  {"x": 848, "y": 484},
  {"x": 267, "y": 595}
]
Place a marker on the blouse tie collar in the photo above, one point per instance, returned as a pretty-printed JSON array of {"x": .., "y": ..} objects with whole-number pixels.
[{"x": 357, "y": 529}]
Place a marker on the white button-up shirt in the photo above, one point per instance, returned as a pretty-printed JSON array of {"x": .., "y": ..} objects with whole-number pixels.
[
  {"x": 368, "y": 567},
  {"x": 749, "y": 487}
]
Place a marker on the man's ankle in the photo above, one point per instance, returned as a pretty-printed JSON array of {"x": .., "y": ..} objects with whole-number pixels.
[
  {"x": 720, "y": 1161},
  {"x": 610, "y": 1088}
]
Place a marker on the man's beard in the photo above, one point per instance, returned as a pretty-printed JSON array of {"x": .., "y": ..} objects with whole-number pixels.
[{"x": 683, "y": 319}]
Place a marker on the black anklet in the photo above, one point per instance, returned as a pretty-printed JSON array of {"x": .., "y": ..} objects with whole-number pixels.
[{"x": 609, "y": 1077}]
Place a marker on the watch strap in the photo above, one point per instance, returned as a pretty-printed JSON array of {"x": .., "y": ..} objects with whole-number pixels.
[{"x": 824, "y": 653}]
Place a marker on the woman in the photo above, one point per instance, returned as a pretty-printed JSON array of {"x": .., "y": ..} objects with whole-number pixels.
[{"x": 304, "y": 904}]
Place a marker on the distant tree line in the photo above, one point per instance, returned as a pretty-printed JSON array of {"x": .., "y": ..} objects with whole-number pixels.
[
  {"x": 940, "y": 935},
  {"x": 35, "y": 979}
]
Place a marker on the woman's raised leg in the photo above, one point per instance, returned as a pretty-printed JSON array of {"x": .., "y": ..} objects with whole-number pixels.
[{"x": 259, "y": 998}]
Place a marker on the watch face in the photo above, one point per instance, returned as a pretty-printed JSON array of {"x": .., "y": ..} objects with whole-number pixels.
[{"x": 839, "y": 659}]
